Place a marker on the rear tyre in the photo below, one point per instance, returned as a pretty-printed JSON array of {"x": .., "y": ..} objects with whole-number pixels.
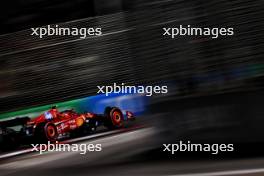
[
  {"x": 45, "y": 132},
  {"x": 51, "y": 132}
]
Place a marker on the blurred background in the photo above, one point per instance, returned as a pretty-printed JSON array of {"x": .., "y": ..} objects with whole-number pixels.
[{"x": 215, "y": 85}]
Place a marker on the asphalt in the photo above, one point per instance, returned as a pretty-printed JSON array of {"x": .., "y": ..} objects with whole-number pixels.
[{"x": 123, "y": 154}]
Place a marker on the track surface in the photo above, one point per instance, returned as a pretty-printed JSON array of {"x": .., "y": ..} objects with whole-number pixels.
[{"x": 119, "y": 156}]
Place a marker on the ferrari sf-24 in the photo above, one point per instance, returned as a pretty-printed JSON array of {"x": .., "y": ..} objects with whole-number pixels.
[{"x": 53, "y": 125}]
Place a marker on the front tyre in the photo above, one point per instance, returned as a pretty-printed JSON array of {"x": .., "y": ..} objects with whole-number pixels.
[{"x": 115, "y": 118}]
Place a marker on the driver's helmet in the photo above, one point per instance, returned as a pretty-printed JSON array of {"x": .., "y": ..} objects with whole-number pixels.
[{"x": 49, "y": 115}]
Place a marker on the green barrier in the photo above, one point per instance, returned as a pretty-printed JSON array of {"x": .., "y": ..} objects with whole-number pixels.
[{"x": 34, "y": 112}]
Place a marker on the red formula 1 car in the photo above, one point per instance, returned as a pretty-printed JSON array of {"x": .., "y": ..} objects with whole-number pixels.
[{"x": 53, "y": 125}]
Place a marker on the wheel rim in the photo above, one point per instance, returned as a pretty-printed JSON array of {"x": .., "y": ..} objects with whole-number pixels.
[
  {"x": 51, "y": 132},
  {"x": 117, "y": 118}
]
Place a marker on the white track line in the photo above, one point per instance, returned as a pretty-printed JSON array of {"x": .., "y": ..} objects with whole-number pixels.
[
  {"x": 16, "y": 153},
  {"x": 223, "y": 173},
  {"x": 93, "y": 136}
]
